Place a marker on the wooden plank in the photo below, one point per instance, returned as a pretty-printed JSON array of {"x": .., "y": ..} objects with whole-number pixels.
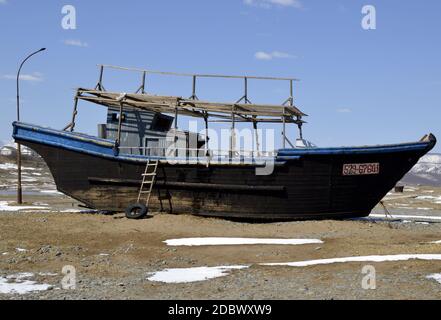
[{"x": 196, "y": 108}]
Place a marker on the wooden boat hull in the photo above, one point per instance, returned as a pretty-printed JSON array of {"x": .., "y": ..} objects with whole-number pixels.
[{"x": 305, "y": 184}]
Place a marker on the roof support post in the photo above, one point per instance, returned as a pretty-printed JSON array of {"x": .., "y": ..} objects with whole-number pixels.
[
  {"x": 233, "y": 134},
  {"x": 283, "y": 129},
  {"x": 206, "y": 134},
  {"x": 245, "y": 92},
  {"x": 291, "y": 97},
  {"x": 299, "y": 125},
  {"x": 142, "y": 87},
  {"x": 74, "y": 113},
  {"x": 99, "y": 85},
  {"x": 291, "y": 103},
  {"x": 71, "y": 125},
  {"x": 175, "y": 139},
  {"x": 118, "y": 138},
  {"x": 193, "y": 91},
  {"x": 257, "y": 137}
]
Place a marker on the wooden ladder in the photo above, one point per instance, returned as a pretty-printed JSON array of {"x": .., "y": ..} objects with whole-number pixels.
[{"x": 148, "y": 180}]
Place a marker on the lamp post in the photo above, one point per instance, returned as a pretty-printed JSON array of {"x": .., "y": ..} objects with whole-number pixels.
[{"x": 19, "y": 192}]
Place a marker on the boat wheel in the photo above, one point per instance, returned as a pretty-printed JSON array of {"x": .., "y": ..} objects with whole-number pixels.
[{"x": 136, "y": 211}]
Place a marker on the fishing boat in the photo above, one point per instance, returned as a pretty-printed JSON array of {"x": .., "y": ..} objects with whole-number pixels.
[{"x": 140, "y": 161}]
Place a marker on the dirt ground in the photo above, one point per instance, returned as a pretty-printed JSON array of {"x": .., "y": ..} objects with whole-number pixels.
[{"x": 113, "y": 256}]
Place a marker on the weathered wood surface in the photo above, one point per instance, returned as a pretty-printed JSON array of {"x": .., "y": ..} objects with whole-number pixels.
[
  {"x": 189, "y": 107},
  {"x": 310, "y": 188}
]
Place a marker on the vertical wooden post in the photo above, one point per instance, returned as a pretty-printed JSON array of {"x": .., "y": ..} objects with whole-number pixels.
[
  {"x": 284, "y": 129},
  {"x": 257, "y": 137},
  {"x": 291, "y": 103},
  {"x": 74, "y": 113},
  {"x": 118, "y": 139},
  {"x": 232, "y": 135},
  {"x": 206, "y": 133}
]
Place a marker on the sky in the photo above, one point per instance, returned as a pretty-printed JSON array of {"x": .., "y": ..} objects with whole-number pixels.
[{"x": 358, "y": 86}]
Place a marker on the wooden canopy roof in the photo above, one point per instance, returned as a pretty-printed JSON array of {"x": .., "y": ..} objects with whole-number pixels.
[{"x": 243, "y": 112}]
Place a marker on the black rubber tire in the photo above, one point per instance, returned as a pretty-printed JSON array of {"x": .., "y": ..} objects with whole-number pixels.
[{"x": 136, "y": 211}]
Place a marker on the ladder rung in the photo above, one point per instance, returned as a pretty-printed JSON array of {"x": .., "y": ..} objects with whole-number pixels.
[{"x": 147, "y": 183}]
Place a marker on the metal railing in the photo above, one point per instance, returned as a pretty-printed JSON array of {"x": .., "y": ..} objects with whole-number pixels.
[
  {"x": 195, "y": 76},
  {"x": 201, "y": 153}
]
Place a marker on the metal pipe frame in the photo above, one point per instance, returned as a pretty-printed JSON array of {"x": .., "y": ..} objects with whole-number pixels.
[
  {"x": 197, "y": 74},
  {"x": 244, "y": 98}
]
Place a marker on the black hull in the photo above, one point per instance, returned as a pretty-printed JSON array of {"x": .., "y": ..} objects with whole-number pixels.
[{"x": 311, "y": 187}]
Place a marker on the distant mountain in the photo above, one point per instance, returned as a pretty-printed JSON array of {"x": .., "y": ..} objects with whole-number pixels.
[{"x": 426, "y": 172}]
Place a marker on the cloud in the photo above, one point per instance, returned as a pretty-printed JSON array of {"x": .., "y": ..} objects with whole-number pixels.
[
  {"x": 266, "y": 4},
  {"x": 261, "y": 55},
  {"x": 344, "y": 110},
  {"x": 75, "y": 43},
  {"x": 34, "y": 77}
]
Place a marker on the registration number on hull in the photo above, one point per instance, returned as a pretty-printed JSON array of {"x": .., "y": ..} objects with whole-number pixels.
[{"x": 355, "y": 169}]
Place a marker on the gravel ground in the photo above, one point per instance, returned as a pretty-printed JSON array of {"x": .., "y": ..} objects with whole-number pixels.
[{"x": 113, "y": 257}]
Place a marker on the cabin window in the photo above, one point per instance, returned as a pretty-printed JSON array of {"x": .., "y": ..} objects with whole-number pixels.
[
  {"x": 115, "y": 117},
  {"x": 161, "y": 123}
]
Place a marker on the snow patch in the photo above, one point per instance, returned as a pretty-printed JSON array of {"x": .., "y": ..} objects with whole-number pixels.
[
  {"x": 4, "y": 206},
  {"x": 50, "y": 191},
  {"x": 435, "y": 276},
  {"x": 13, "y": 166},
  {"x": 20, "y": 283},
  {"x": 8, "y": 166},
  {"x": 426, "y": 197},
  {"x": 405, "y": 216},
  {"x": 184, "y": 275},
  {"x": 377, "y": 258},
  {"x": 220, "y": 241}
]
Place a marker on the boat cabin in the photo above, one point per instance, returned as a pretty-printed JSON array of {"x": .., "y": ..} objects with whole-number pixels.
[{"x": 145, "y": 124}]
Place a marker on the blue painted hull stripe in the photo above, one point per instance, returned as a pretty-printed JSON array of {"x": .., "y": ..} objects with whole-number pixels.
[{"x": 106, "y": 148}]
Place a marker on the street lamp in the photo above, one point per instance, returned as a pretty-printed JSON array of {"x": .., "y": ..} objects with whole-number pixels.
[{"x": 19, "y": 192}]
